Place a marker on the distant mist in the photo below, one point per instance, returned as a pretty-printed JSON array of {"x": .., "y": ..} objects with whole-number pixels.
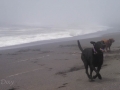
[{"x": 59, "y": 13}]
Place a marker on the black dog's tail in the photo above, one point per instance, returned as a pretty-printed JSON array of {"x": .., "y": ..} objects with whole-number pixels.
[{"x": 79, "y": 45}]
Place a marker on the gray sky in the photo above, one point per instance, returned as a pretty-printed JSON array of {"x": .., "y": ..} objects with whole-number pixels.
[{"x": 59, "y": 12}]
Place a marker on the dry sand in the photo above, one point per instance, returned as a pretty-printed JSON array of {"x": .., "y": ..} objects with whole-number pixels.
[{"x": 57, "y": 66}]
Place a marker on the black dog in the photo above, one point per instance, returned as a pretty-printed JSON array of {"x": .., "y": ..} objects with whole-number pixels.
[{"x": 93, "y": 57}]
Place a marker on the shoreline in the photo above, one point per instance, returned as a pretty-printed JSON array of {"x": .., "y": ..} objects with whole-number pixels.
[{"x": 44, "y": 42}]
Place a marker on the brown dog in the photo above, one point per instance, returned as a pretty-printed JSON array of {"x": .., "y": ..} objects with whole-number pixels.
[{"x": 108, "y": 43}]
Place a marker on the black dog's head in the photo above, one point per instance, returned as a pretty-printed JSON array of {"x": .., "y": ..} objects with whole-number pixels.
[{"x": 98, "y": 46}]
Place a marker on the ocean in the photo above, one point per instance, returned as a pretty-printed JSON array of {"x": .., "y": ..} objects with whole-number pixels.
[{"x": 10, "y": 36}]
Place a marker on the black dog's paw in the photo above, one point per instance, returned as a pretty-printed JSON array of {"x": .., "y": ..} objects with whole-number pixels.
[
  {"x": 99, "y": 76},
  {"x": 91, "y": 80},
  {"x": 94, "y": 77},
  {"x": 89, "y": 77}
]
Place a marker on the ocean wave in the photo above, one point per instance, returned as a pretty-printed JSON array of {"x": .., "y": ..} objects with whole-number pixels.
[{"x": 21, "y": 36}]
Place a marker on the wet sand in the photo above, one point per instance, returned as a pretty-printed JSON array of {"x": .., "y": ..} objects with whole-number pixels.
[{"x": 57, "y": 66}]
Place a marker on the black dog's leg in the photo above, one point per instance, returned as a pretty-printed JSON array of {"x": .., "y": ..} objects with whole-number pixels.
[
  {"x": 86, "y": 65},
  {"x": 97, "y": 71},
  {"x": 91, "y": 70},
  {"x": 99, "y": 76},
  {"x": 86, "y": 68}
]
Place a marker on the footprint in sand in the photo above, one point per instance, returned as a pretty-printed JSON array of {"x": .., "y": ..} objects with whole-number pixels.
[
  {"x": 78, "y": 80},
  {"x": 12, "y": 89},
  {"x": 41, "y": 64},
  {"x": 105, "y": 65},
  {"x": 50, "y": 69},
  {"x": 34, "y": 61},
  {"x": 63, "y": 85}
]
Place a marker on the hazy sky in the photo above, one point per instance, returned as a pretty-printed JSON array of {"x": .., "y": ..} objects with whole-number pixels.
[{"x": 59, "y": 12}]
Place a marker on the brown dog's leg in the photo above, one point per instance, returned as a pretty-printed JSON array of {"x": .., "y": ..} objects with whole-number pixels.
[
  {"x": 106, "y": 49},
  {"x": 109, "y": 48}
]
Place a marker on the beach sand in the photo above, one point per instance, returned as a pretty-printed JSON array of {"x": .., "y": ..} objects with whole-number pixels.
[{"x": 57, "y": 66}]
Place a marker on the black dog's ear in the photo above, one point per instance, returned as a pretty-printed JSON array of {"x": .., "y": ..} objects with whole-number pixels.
[
  {"x": 92, "y": 42},
  {"x": 102, "y": 42}
]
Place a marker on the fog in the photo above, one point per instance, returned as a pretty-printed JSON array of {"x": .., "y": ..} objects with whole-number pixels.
[{"x": 59, "y": 13}]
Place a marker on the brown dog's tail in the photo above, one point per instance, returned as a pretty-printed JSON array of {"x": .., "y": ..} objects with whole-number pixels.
[{"x": 79, "y": 45}]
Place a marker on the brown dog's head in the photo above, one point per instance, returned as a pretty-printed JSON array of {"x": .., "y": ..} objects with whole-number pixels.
[{"x": 111, "y": 40}]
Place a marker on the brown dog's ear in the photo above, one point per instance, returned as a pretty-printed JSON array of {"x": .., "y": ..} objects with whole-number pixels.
[
  {"x": 111, "y": 40},
  {"x": 92, "y": 42}
]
